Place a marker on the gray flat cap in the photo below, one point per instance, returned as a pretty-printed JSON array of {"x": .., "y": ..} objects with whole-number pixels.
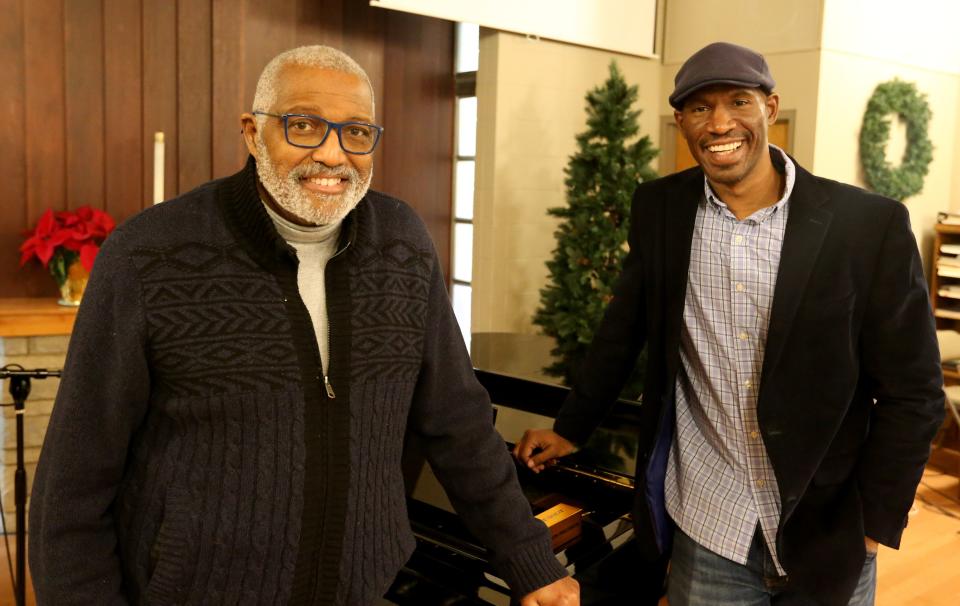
[{"x": 721, "y": 63}]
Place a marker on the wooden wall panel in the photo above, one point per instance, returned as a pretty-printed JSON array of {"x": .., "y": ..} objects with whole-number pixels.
[
  {"x": 194, "y": 84},
  {"x": 229, "y": 153},
  {"x": 90, "y": 81},
  {"x": 270, "y": 29},
  {"x": 365, "y": 41},
  {"x": 83, "y": 77},
  {"x": 320, "y": 22},
  {"x": 46, "y": 111},
  {"x": 123, "y": 103},
  {"x": 159, "y": 25},
  {"x": 418, "y": 119},
  {"x": 12, "y": 165},
  {"x": 45, "y": 156}
]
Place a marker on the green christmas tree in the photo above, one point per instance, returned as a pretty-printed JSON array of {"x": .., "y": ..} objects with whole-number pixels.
[{"x": 592, "y": 236}]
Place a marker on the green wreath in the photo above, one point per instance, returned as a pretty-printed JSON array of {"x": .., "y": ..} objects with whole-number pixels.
[{"x": 896, "y": 97}]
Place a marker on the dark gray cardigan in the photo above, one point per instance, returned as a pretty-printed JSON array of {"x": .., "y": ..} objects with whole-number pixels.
[{"x": 193, "y": 455}]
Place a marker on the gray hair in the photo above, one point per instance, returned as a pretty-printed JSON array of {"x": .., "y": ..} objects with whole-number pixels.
[{"x": 323, "y": 57}]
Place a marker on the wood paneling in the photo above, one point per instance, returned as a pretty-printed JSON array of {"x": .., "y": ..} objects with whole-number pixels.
[
  {"x": 44, "y": 153},
  {"x": 320, "y": 22},
  {"x": 368, "y": 46},
  {"x": 270, "y": 29},
  {"x": 227, "y": 88},
  {"x": 83, "y": 81},
  {"x": 427, "y": 95},
  {"x": 45, "y": 114},
  {"x": 123, "y": 107},
  {"x": 12, "y": 161},
  {"x": 194, "y": 85},
  {"x": 89, "y": 82},
  {"x": 159, "y": 93}
]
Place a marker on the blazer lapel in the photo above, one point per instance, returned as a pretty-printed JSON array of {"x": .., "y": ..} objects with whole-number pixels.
[
  {"x": 679, "y": 218},
  {"x": 806, "y": 228}
]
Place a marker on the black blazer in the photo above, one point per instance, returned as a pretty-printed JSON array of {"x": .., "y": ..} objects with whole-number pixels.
[{"x": 851, "y": 386}]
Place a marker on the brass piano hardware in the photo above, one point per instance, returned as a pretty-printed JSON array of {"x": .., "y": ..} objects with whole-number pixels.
[{"x": 607, "y": 479}]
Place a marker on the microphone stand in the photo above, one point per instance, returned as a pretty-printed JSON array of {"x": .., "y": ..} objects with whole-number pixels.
[{"x": 20, "y": 389}]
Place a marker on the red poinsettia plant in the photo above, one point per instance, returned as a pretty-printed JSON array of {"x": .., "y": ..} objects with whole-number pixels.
[{"x": 65, "y": 236}]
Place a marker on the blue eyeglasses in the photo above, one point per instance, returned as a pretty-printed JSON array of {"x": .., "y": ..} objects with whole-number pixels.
[{"x": 307, "y": 131}]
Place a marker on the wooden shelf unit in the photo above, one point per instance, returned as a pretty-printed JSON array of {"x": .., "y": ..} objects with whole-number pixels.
[
  {"x": 945, "y": 278},
  {"x": 945, "y": 299}
]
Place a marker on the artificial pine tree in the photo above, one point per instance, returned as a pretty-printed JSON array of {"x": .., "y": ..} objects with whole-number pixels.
[{"x": 592, "y": 235}]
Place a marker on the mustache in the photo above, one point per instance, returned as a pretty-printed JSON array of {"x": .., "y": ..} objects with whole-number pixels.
[
  {"x": 734, "y": 134},
  {"x": 323, "y": 171}
]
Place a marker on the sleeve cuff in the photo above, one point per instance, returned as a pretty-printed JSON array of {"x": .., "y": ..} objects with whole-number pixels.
[
  {"x": 883, "y": 526},
  {"x": 530, "y": 567}
]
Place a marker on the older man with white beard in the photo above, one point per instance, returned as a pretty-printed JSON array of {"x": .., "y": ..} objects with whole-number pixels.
[{"x": 243, "y": 371}]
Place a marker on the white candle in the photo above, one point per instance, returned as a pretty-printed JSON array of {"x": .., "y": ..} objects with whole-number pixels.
[{"x": 157, "y": 167}]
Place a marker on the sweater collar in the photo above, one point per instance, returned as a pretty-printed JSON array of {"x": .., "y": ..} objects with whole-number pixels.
[{"x": 239, "y": 202}]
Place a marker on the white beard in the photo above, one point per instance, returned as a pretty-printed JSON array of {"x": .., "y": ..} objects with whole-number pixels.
[{"x": 312, "y": 208}]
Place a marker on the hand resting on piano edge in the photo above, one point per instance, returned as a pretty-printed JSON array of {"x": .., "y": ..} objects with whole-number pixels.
[{"x": 541, "y": 447}]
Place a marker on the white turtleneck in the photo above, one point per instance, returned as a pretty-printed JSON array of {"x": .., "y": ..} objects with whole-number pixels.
[{"x": 315, "y": 245}]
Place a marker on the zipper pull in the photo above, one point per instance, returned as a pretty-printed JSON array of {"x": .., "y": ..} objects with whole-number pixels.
[{"x": 329, "y": 388}]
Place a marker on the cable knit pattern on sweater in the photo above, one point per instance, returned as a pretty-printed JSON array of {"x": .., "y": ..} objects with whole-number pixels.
[{"x": 193, "y": 456}]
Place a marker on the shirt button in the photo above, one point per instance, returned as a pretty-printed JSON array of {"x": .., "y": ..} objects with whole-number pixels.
[
  {"x": 748, "y": 383},
  {"x": 743, "y": 336},
  {"x": 761, "y": 483},
  {"x": 754, "y": 434},
  {"x": 738, "y": 239},
  {"x": 740, "y": 287}
]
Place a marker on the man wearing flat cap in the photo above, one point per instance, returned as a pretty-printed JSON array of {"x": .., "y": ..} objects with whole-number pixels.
[{"x": 793, "y": 380}]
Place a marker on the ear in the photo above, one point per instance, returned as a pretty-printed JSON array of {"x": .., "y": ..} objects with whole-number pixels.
[
  {"x": 678, "y": 118},
  {"x": 248, "y": 126},
  {"x": 772, "y": 103}
]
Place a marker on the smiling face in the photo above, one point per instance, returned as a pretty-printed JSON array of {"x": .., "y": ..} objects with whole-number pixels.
[
  {"x": 312, "y": 186},
  {"x": 726, "y": 129}
]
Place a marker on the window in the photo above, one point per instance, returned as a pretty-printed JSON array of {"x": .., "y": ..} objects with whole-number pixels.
[{"x": 467, "y": 62}]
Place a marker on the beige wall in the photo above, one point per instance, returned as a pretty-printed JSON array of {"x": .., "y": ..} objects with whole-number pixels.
[
  {"x": 530, "y": 107},
  {"x": 771, "y": 27},
  {"x": 827, "y": 56},
  {"x": 862, "y": 49},
  {"x": 846, "y": 83},
  {"x": 787, "y": 33}
]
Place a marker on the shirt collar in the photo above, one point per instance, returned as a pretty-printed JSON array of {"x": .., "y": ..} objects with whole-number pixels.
[{"x": 784, "y": 165}]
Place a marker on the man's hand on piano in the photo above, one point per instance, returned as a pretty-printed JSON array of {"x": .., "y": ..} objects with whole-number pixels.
[
  {"x": 541, "y": 447},
  {"x": 565, "y": 592}
]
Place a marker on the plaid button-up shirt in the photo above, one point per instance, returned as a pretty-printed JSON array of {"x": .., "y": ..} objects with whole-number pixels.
[{"x": 719, "y": 482}]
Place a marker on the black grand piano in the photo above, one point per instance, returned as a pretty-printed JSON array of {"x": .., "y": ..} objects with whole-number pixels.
[{"x": 450, "y": 567}]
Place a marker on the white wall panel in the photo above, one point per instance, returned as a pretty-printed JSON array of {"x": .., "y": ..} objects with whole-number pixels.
[{"x": 624, "y": 26}]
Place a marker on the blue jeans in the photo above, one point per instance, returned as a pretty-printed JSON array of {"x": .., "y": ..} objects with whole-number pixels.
[{"x": 699, "y": 577}]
